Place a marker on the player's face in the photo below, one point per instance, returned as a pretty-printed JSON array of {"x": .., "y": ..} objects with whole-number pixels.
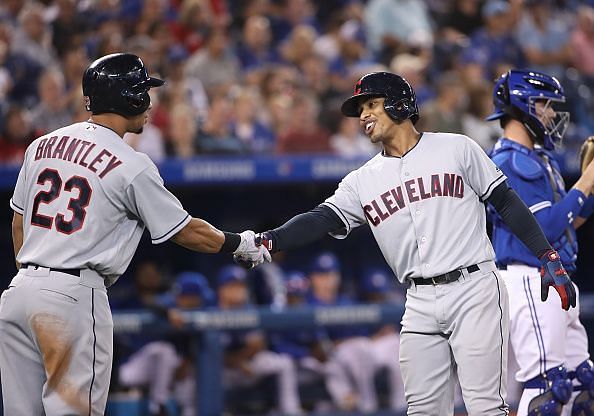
[
  {"x": 545, "y": 111},
  {"x": 374, "y": 120}
]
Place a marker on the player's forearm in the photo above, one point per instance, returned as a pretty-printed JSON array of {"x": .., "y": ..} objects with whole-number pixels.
[
  {"x": 17, "y": 235},
  {"x": 556, "y": 219},
  {"x": 516, "y": 215},
  {"x": 305, "y": 228},
  {"x": 199, "y": 235}
]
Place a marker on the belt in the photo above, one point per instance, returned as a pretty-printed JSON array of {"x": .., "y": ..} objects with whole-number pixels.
[
  {"x": 446, "y": 277},
  {"x": 73, "y": 272}
]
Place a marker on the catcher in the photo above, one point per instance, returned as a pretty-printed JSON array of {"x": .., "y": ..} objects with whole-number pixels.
[{"x": 550, "y": 344}]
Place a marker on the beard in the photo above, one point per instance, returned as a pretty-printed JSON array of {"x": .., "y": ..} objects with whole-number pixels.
[{"x": 139, "y": 130}]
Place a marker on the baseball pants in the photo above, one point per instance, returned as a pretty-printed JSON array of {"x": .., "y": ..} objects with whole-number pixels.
[
  {"x": 55, "y": 344},
  {"x": 460, "y": 327},
  {"x": 542, "y": 334},
  {"x": 266, "y": 363}
]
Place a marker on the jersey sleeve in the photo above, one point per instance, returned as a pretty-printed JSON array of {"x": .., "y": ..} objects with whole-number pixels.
[
  {"x": 481, "y": 173},
  {"x": 160, "y": 211},
  {"x": 17, "y": 202},
  {"x": 347, "y": 205}
]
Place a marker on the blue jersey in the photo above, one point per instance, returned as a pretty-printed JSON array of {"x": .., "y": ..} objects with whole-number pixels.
[{"x": 534, "y": 175}]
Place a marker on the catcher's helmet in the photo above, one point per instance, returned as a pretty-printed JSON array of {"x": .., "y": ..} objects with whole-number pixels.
[
  {"x": 400, "y": 103},
  {"x": 118, "y": 83},
  {"x": 515, "y": 95}
]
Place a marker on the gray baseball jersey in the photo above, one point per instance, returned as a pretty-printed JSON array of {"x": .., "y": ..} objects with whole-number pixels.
[
  {"x": 425, "y": 209},
  {"x": 86, "y": 197}
]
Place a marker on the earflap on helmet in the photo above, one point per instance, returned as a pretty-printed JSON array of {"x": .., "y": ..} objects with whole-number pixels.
[{"x": 402, "y": 109}]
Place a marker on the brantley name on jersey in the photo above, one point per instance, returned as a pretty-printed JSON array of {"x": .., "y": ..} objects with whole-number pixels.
[{"x": 66, "y": 148}]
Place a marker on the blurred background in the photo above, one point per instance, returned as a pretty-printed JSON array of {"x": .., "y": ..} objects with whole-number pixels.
[{"x": 247, "y": 132}]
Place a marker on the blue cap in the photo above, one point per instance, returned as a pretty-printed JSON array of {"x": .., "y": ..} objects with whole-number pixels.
[
  {"x": 495, "y": 7},
  {"x": 177, "y": 53},
  {"x": 296, "y": 283},
  {"x": 324, "y": 263},
  {"x": 375, "y": 280},
  {"x": 192, "y": 283},
  {"x": 231, "y": 273}
]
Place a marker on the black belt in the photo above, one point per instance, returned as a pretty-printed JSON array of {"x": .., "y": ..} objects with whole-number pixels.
[
  {"x": 73, "y": 272},
  {"x": 446, "y": 277}
]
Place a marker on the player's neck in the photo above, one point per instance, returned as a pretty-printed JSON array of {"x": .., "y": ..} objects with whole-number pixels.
[
  {"x": 516, "y": 132},
  {"x": 402, "y": 142},
  {"x": 112, "y": 121}
]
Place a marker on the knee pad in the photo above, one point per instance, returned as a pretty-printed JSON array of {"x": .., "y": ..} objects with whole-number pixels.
[
  {"x": 558, "y": 392},
  {"x": 583, "y": 405}
]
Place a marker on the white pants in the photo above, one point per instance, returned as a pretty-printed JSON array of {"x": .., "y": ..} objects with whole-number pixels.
[
  {"x": 385, "y": 352},
  {"x": 55, "y": 344},
  {"x": 154, "y": 365},
  {"x": 542, "y": 334},
  {"x": 460, "y": 326},
  {"x": 349, "y": 374},
  {"x": 266, "y": 363}
]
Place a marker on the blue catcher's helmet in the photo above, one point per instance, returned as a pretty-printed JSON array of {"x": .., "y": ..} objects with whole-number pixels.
[{"x": 516, "y": 94}]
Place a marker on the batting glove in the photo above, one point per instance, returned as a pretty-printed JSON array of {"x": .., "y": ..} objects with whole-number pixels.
[
  {"x": 553, "y": 274},
  {"x": 250, "y": 253}
]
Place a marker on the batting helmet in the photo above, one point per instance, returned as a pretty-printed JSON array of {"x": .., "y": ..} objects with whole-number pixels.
[
  {"x": 400, "y": 103},
  {"x": 515, "y": 95},
  {"x": 118, "y": 83}
]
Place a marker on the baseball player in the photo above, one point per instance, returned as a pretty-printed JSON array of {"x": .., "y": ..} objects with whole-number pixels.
[
  {"x": 82, "y": 200},
  {"x": 550, "y": 344},
  {"x": 423, "y": 197}
]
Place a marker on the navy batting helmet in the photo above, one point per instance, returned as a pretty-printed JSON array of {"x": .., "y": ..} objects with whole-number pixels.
[
  {"x": 400, "y": 103},
  {"x": 118, "y": 83},
  {"x": 515, "y": 95}
]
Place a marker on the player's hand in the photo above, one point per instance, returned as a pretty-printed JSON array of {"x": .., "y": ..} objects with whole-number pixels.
[
  {"x": 553, "y": 274},
  {"x": 251, "y": 252}
]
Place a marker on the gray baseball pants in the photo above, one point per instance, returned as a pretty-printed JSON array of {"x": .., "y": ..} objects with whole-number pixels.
[{"x": 56, "y": 349}]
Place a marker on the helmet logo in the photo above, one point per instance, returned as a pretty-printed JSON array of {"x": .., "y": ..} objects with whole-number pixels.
[{"x": 357, "y": 88}]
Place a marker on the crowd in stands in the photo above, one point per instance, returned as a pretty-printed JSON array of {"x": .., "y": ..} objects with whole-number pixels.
[{"x": 268, "y": 76}]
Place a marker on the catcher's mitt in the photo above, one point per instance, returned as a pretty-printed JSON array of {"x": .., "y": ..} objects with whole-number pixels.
[{"x": 587, "y": 153}]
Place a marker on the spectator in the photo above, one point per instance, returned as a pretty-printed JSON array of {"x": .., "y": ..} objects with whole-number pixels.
[
  {"x": 299, "y": 45},
  {"x": 16, "y": 135},
  {"x": 397, "y": 26},
  {"x": 474, "y": 125},
  {"x": 214, "y": 65},
  {"x": 246, "y": 356},
  {"x": 68, "y": 28},
  {"x": 495, "y": 41},
  {"x": 216, "y": 135},
  {"x": 413, "y": 68},
  {"x": 304, "y": 133},
  {"x": 255, "y": 50},
  {"x": 54, "y": 109},
  {"x": 192, "y": 25},
  {"x": 183, "y": 132},
  {"x": 292, "y": 13},
  {"x": 33, "y": 37},
  {"x": 444, "y": 113},
  {"x": 582, "y": 43},
  {"x": 544, "y": 38},
  {"x": 255, "y": 135},
  {"x": 462, "y": 19},
  {"x": 349, "y": 141},
  {"x": 182, "y": 89}
]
